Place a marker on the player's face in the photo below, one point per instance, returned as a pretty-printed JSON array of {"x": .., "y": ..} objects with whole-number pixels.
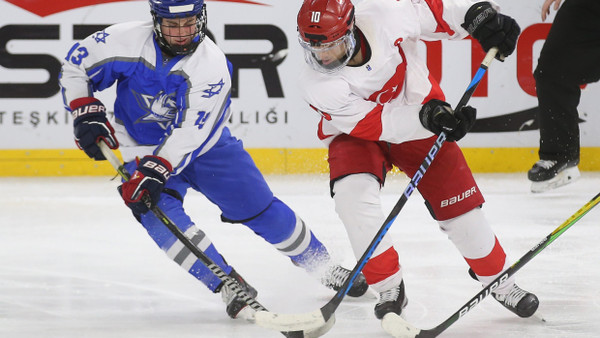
[
  {"x": 329, "y": 54},
  {"x": 179, "y": 31}
]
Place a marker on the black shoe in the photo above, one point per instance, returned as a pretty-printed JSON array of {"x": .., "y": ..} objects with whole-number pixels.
[
  {"x": 234, "y": 303},
  {"x": 519, "y": 301},
  {"x": 337, "y": 275},
  {"x": 549, "y": 174},
  {"x": 392, "y": 300}
]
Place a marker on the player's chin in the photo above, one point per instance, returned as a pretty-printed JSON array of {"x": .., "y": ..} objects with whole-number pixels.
[{"x": 179, "y": 43}]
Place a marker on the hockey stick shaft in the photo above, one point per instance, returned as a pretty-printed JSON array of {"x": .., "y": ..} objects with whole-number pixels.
[
  {"x": 207, "y": 261},
  {"x": 404, "y": 329},
  {"x": 303, "y": 321}
]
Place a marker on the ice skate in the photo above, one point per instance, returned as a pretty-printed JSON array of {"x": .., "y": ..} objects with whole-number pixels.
[
  {"x": 336, "y": 276},
  {"x": 236, "y": 307},
  {"x": 391, "y": 301},
  {"x": 546, "y": 175},
  {"x": 522, "y": 303}
]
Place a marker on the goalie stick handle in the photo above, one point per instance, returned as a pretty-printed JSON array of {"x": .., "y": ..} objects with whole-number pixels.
[
  {"x": 434, "y": 332},
  {"x": 212, "y": 266},
  {"x": 328, "y": 309}
]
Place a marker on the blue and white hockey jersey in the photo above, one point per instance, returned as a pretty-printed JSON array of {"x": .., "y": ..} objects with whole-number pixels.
[{"x": 174, "y": 108}]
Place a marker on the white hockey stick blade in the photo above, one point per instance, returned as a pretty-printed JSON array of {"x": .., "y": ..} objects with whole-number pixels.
[
  {"x": 398, "y": 327},
  {"x": 318, "y": 332},
  {"x": 292, "y": 322}
]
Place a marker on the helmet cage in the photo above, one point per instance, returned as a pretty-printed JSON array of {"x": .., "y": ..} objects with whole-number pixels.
[
  {"x": 196, "y": 37},
  {"x": 319, "y": 55}
]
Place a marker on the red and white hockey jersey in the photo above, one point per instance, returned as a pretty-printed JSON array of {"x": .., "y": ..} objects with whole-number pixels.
[{"x": 380, "y": 100}]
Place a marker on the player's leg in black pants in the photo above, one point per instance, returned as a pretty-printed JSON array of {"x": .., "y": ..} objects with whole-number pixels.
[{"x": 569, "y": 58}]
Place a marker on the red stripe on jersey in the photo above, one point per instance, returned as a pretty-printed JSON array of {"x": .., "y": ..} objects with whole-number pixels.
[
  {"x": 381, "y": 267},
  {"x": 322, "y": 113},
  {"x": 369, "y": 128},
  {"x": 437, "y": 9},
  {"x": 320, "y": 134},
  {"x": 394, "y": 85},
  {"x": 491, "y": 264},
  {"x": 435, "y": 92}
]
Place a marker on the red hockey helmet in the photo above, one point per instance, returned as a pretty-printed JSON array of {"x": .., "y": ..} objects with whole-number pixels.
[{"x": 325, "y": 27}]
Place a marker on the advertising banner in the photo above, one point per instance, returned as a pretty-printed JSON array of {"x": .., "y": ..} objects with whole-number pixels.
[{"x": 260, "y": 39}]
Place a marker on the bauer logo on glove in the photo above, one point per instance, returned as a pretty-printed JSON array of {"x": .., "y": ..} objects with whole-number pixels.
[
  {"x": 142, "y": 191},
  {"x": 90, "y": 108},
  {"x": 91, "y": 126}
]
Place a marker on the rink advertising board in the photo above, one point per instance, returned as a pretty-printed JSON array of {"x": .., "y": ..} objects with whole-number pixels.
[{"x": 259, "y": 37}]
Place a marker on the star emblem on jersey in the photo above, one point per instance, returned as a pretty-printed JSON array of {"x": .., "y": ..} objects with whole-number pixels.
[
  {"x": 214, "y": 89},
  {"x": 160, "y": 108},
  {"x": 100, "y": 36}
]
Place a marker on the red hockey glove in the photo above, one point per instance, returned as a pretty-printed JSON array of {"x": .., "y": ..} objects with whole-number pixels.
[{"x": 142, "y": 191}]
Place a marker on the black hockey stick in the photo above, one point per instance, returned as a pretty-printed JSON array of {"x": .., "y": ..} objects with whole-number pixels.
[
  {"x": 319, "y": 318},
  {"x": 207, "y": 261},
  {"x": 398, "y": 327}
]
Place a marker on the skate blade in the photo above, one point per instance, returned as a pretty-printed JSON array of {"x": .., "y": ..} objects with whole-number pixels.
[{"x": 563, "y": 178}]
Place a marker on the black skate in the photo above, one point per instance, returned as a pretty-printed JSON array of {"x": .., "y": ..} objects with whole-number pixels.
[
  {"x": 392, "y": 300},
  {"x": 548, "y": 174},
  {"x": 336, "y": 276},
  {"x": 519, "y": 301},
  {"x": 235, "y": 305}
]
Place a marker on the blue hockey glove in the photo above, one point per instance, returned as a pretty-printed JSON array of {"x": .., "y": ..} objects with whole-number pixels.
[
  {"x": 492, "y": 29},
  {"x": 142, "y": 191},
  {"x": 90, "y": 126},
  {"x": 437, "y": 116}
]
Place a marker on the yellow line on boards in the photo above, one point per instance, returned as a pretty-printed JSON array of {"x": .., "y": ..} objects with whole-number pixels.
[{"x": 73, "y": 162}]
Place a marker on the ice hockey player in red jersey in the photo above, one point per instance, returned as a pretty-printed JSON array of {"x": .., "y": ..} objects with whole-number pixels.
[{"x": 380, "y": 107}]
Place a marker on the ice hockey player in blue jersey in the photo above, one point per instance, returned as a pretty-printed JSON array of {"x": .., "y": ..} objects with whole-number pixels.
[{"x": 172, "y": 101}]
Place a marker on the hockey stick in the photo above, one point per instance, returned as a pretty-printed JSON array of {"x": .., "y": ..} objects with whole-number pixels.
[
  {"x": 207, "y": 261},
  {"x": 400, "y": 328},
  {"x": 319, "y": 318}
]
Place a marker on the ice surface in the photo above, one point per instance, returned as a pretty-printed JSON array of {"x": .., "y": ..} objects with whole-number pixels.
[{"x": 74, "y": 263}]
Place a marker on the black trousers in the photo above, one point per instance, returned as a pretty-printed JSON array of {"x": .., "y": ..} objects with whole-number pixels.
[{"x": 570, "y": 57}]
